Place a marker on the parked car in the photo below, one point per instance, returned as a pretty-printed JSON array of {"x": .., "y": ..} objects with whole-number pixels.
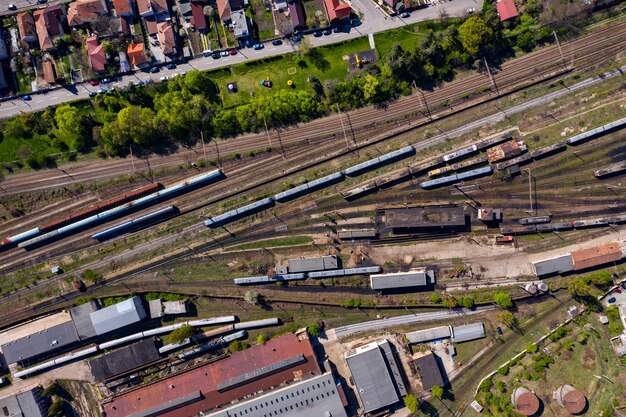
[
  {"x": 182, "y": 74},
  {"x": 499, "y": 330},
  {"x": 471, "y": 10},
  {"x": 328, "y": 31},
  {"x": 138, "y": 83},
  {"x": 164, "y": 78},
  {"x": 148, "y": 81},
  {"x": 171, "y": 66},
  {"x": 258, "y": 46},
  {"x": 336, "y": 29},
  {"x": 216, "y": 55},
  {"x": 12, "y": 7},
  {"x": 277, "y": 42},
  {"x": 617, "y": 290},
  {"x": 26, "y": 98},
  {"x": 248, "y": 43},
  {"x": 232, "y": 52},
  {"x": 405, "y": 15},
  {"x": 94, "y": 82},
  {"x": 42, "y": 1},
  {"x": 112, "y": 90},
  {"x": 298, "y": 37},
  {"x": 102, "y": 91},
  {"x": 612, "y": 300},
  {"x": 318, "y": 33},
  {"x": 207, "y": 53},
  {"x": 624, "y": 285},
  {"x": 105, "y": 80},
  {"x": 224, "y": 53},
  {"x": 93, "y": 94},
  {"x": 154, "y": 70}
]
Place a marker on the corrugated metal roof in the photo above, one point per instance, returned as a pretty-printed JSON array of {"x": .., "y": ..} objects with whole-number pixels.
[
  {"x": 428, "y": 371},
  {"x": 468, "y": 332},
  {"x": 118, "y": 315},
  {"x": 556, "y": 265},
  {"x": 315, "y": 397},
  {"x": 125, "y": 359},
  {"x": 156, "y": 308},
  {"x": 421, "y": 336},
  {"x": 25, "y": 404},
  {"x": 371, "y": 377},
  {"x": 169, "y": 405},
  {"x": 425, "y": 217},
  {"x": 322, "y": 263},
  {"x": 416, "y": 278},
  {"x": 390, "y": 357},
  {"x": 40, "y": 343},
  {"x": 259, "y": 373},
  {"x": 596, "y": 256},
  {"x": 82, "y": 320}
]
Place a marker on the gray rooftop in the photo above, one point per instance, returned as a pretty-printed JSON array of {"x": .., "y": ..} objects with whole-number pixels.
[
  {"x": 239, "y": 23},
  {"x": 174, "y": 307},
  {"x": 118, "y": 315},
  {"x": 25, "y": 404},
  {"x": 82, "y": 319},
  {"x": 373, "y": 382},
  {"x": 416, "y": 278},
  {"x": 156, "y": 308},
  {"x": 124, "y": 359},
  {"x": 427, "y": 335},
  {"x": 425, "y": 217},
  {"x": 322, "y": 263},
  {"x": 428, "y": 371},
  {"x": 556, "y": 265},
  {"x": 40, "y": 343},
  {"x": 468, "y": 332},
  {"x": 315, "y": 397}
]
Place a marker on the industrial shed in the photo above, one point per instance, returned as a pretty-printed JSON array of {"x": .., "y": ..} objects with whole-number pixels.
[
  {"x": 551, "y": 266},
  {"x": 428, "y": 371},
  {"x": 26, "y": 404},
  {"x": 40, "y": 343},
  {"x": 376, "y": 386},
  {"x": 596, "y": 256},
  {"x": 82, "y": 319},
  {"x": 155, "y": 308},
  {"x": 468, "y": 332},
  {"x": 427, "y": 335},
  {"x": 123, "y": 360},
  {"x": 314, "y": 397},
  {"x": 322, "y": 263},
  {"x": 427, "y": 217},
  {"x": 415, "y": 278},
  {"x": 118, "y": 315}
]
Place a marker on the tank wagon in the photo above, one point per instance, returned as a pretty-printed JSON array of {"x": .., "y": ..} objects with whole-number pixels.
[
  {"x": 138, "y": 223},
  {"x": 546, "y": 150},
  {"x": 613, "y": 169},
  {"x": 460, "y": 153},
  {"x": 381, "y": 160},
  {"x": 239, "y": 213},
  {"x": 598, "y": 131},
  {"x": 309, "y": 187},
  {"x": 534, "y": 220}
]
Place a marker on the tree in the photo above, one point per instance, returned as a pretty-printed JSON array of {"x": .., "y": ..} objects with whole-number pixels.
[
  {"x": 437, "y": 391},
  {"x": 579, "y": 288},
  {"x": 134, "y": 125},
  {"x": 508, "y": 319},
  {"x": 252, "y": 297},
  {"x": 51, "y": 390},
  {"x": 316, "y": 85},
  {"x": 56, "y": 408},
  {"x": 371, "y": 88},
  {"x": 68, "y": 119},
  {"x": 314, "y": 330},
  {"x": 474, "y": 34},
  {"x": 532, "y": 348},
  {"x": 180, "y": 334},
  {"x": 410, "y": 402},
  {"x": 435, "y": 298},
  {"x": 503, "y": 300},
  {"x": 262, "y": 338},
  {"x": 304, "y": 47},
  {"x": 91, "y": 276},
  {"x": 237, "y": 346},
  {"x": 467, "y": 302}
]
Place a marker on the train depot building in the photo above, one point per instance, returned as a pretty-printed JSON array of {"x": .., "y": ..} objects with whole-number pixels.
[{"x": 426, "y": 219}]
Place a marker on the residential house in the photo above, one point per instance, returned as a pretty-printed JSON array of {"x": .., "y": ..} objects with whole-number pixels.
[
  {"x": 198, "y": 18},
  {"x": 84, "y": 11},
  {"x": 123, "y": 7},
  {"x": 119, "y": 26},
  {"x": 49, "y": 73},
  {"x": 337, "y": 10},
  {"x": 280, "y": 4},
  {"x": 165, "y": 34},
  {"x": 296, "y": 13},
  {"x": 136, "y": 55},
  {"x": 97, "y": 56},
  {"x": 26, "y": 25},
  {"x": 49, "y": 24},
  {"x": 239, "y": 24},
  {"x": 226, "y": 7},
  {"x": 506, "y": 9},
  {"x": 152, "y": 7}
]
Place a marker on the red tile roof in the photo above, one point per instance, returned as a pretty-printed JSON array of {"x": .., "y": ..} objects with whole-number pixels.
[
  {"x": 122, "y": 7},
  {"x": 135, "y": 54},
  {"x": 82, "y": 11},
  {"x": 26, "y": 25},
  {"x": 337, "y": 10},
  {"x": 49, "y": 74},
  {"x": 151, "y": 25},
  {"x": 165, "y": 34},
  {"x": 224, "y": 10},
  {"x": 97, "y": 57},
  {"x": 506, "y": 9},
  {"x": 596, "y": 256},
  {"x": 198, "y": 19},
  {"x": 206, "y": 378},
  {"x": 48, "y": 24},
  {"x": 144, "y": 7}
]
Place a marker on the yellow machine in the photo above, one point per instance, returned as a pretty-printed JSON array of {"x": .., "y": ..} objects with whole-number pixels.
[{"x": 360, "y": 62}]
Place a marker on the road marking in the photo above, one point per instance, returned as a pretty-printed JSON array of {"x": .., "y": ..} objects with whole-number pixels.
[{"x": 38, "y": 101}]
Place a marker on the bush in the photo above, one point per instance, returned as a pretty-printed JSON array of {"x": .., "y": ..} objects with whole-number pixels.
[
  {"x": 237, "y": 346},
  {"x": 504, "y": 371},
  {"x": 532, "y": 348},
  {"x": 314, "y": 330},
  {"x": 51, "y": 390},
  {"x": 91, "y": 276},
  {"x": 180, "y": 334},
  {"x": 486, "y": 385},
  {"x": 410, "y": 402},
  {"x": 467, "y": 302},
  {"x": 252, "y": 297},
  {"x": 435, "y": 298},
  {"x": 559, "y": 333},
  {"x": 351, "y": 303},
  {"x": 262, "y": 338},
  {"x": 503, "y": 300}
]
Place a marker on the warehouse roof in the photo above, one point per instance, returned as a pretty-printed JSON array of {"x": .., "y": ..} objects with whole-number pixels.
[
  {"x": 421, "y": 336},
  {"x": 174, "y": 307},
  {"x": 123, "y": 360},
  {"x": 428, "y": 370},
  {"x": 425, "y": 217},
  {"x": 556, "y": 265},
  {"x": 415, "y": 278},
  {"x": 118, "y": 315},
  {"x": 468, "y": 332},
  {"x": 82, "y": 319},
  {"x": 596, "y": 256},
  {"x": 205, "y": 379},
  {"x": 315, "y": 397},
  {"x": 374, "y": 384},
  {"x": 322, "y": 263},
  {"x": 26, "y": 404},
  {"x": 40, "y": 343}
]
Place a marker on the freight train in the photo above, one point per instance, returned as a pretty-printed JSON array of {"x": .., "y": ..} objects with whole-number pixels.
[
  {"x": 301, "y": 276},
  {"x": 566, "y": 225}
]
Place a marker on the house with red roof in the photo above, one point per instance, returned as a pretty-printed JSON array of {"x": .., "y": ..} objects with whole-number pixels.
[
  {"x": 97, "y": 56},
  {"x": 136, "y": 55},
  {"x": 122, "y": 7},
  {"x": 337, "y": 10},
  {"x": 225, "y": 7},
  {"x": 49, "y": 24},
  {"x": 49, "y": 72},
  {"x": 198, "y": 19},
  {"x": 84, "y": 11},
  {"x": 506, "y": 9},
  {"x": 26, "y": 26}
]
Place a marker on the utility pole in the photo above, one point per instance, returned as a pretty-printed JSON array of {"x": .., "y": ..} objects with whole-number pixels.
[
  {"x": 423, "y": 101},
  {"x": 203, "y": 146},
  {"x": 530, "y": 190},
  {"x": 493, "y": 81},
  {"x": 558, "y": 44},
  {"x": 343, "y": 127}
]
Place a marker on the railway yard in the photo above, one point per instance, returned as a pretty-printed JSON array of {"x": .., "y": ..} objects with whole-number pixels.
[{"x": 471, "y": 238}]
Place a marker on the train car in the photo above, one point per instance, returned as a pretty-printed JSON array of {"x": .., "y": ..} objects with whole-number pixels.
[
  {"x": 420, "y": 169},
  {"x": 460, "y": 153},
  {"x": 288, "y": 277},
  {"x": 611, "y": 170},
  {"x": 210, "y": 346},
  {"x": 255, "y": 324},
  {"x": 585, "y": 136},
  {"x": 357, "y": 234},
  {"x": 544, "y": 228},
  {"x": 559, "y": 226},
  {"x": 439, "y": 182},
  {"x": 618, "y": 124},
  {"x": 239, "y": 213},
  {"x": 134, "y": 224},
  {"x": 515, "y": 161},
  {"x": 21, "y": 237},
  {"x": 360, "y": 191},
  {"x": 393, "y": 178},
  {"x": 518, "y": 230},
  {"x": 475, "y": 173},
  {"x": 470, "y": 162},
  {"x": 309, "y": 187},
  {"x": 251, "y": 280},
  {"x": 345, "y": 272},
  {"x": 534, "y": 220},
  {"x": 439, "y": 171},
  {"x": 381, "y": 160},
  {"x": 547, "y": 150},
  {"x": 617, "y": 219},
  {"x": 581, "y": 224},
  {"x": 488, "y": 143}
]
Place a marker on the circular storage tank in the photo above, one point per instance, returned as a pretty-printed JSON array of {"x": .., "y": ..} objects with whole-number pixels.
[
  {"x": 542, "y": 286},
  {"x": 531, "y": 288},
  {"x": 570, "y": 398},
  {"x": 525, "y": 401}
]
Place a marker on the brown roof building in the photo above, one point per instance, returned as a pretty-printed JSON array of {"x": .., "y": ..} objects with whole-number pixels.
[
  {"x": 26, "y": 25},
  {"x": 284, "y": 359},
  {"x": 428, "y": 371},
  {"x": 97, "y": 56},
  {"x": 83, "y": 11},
  {"x": 49, "y": 73},
  {"x": 122, "y": 7},
  {"x": 152, "y": 7},
  {"x": 165, "y": 34},
  {"x": 48, "y": 23},
  {"x": 198, "y": 19},
  {"x": 571, "y": 399},
  {"x": 136, "y": 55},
  {"x": 504, "y": 151},
  {"x": 596, "y": 256},
  {"x": 525, "y": 402}
]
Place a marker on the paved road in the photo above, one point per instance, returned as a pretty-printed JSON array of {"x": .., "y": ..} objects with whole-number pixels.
[
  {"x": 374, "y": 20},
  {"x": 339, "y": 332}
]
